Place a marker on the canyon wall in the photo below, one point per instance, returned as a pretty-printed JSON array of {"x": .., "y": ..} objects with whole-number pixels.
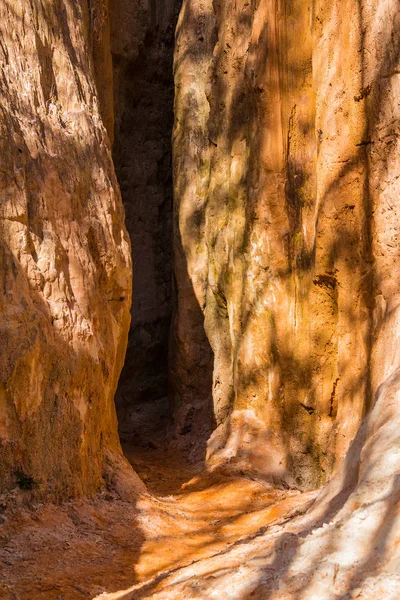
[
  {"x": 284, "y": 230},
  {"x": 285, "y": 225},
  {"x": 65, "y": 264}
]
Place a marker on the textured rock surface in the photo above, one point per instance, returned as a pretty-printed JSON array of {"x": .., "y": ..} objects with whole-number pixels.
[
  {"x": 286, "y": 252},
  {"x": 64, "y": 253},
  {"x": 286, "y": 327},
  {"x": 142, "y": 40}
]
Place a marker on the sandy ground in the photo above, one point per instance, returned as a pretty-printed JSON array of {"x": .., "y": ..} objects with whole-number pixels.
[
  {"x": 85, "y": 548},
  {"x": 218, "y": 537}
]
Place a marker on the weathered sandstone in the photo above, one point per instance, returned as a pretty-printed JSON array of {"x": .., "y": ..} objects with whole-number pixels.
[
  {"x": 64, "y": 252},
  {"x": 284, "y": 354},
  {"x": 286, "y": 224}
]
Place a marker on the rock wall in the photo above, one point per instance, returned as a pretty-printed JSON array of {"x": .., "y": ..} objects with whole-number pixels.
[
  {"x": 65, "y": 265},
  {"x": 142, "y": 41},
  {"x": 285, "y": 229}
]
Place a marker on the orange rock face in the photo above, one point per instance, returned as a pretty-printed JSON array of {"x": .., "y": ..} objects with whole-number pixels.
[
  {"x": 286, "y": 220},
  {"x": 64, "y": 255}
]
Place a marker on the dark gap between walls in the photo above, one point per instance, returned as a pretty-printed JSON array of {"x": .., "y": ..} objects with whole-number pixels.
[{"x": 142, "y": 152}]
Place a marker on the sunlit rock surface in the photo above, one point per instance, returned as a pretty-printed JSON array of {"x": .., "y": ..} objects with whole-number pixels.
[
  {"x": 342, "y": 544},
  {"x": 286, "y": 220},
  {"x": 64, "y": 253}
]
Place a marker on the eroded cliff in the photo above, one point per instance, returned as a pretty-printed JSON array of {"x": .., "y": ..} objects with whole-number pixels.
[
  {"x": 65, "y": 254},
  {"x": 285, "y": 124}
]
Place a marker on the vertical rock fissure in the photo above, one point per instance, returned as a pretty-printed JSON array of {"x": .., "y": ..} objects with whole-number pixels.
[{"x": 142, "y": 45}]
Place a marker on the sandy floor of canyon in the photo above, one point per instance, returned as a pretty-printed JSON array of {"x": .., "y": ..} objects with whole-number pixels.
[
  {"x": 210, "y": 536},
  {"x": 85, "y": 548}
]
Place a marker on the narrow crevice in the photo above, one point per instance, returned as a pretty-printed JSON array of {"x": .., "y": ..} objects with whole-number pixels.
[{"x": 143, "y": 101}]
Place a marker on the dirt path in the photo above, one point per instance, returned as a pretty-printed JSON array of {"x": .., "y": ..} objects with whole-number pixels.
[{"x": 85, "y": 548}]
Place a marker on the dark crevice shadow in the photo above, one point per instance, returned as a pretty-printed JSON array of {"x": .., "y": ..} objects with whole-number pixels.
[
  {"x": 155, "y": 408},
  {"x": 190, "y": 396},
  {"x": 143, "y": 103}
]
